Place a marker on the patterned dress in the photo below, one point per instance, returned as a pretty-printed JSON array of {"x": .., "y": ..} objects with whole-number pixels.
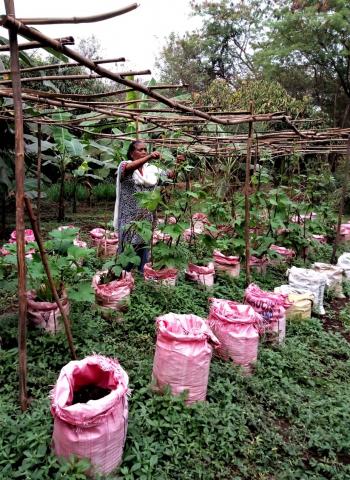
[{"x": 129, "y": 209}]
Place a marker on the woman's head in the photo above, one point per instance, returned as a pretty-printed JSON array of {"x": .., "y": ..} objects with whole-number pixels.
[{"x": 137, "y": 149}]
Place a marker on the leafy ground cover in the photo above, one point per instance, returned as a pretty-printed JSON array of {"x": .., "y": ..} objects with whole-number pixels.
[{"x": 288, "y": 421}]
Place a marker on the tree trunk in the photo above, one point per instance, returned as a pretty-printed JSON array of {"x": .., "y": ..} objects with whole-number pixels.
[{"x": 61, "y": 215}]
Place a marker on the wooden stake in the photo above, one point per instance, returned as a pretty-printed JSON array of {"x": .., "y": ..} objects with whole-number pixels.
[
  {"x": 342, "y": 201},
  {"x": 246, "y": 199},
  {"x": 49, "y": 277},
  {"x": 20, "y": 225}
]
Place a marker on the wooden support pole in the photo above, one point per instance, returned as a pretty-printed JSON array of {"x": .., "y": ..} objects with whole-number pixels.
[
  {"x": 49, "y": 277},
  {"x": 20, "y": 225},
  {"x": 246, "y": 200},
  {"x": 342, "y": 201}
]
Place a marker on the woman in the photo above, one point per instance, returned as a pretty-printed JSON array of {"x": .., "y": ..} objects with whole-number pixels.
[{"x": 134, "y": 175}]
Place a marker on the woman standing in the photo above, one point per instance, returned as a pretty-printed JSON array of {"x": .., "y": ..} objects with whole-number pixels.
[{"x": 134, "y": 175}]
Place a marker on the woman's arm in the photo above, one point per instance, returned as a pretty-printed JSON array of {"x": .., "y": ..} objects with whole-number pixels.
[{"x": 135, "y": 164}]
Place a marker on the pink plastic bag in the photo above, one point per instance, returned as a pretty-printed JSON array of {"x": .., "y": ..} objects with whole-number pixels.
[
  {"x": 160, "y": 236},
  {"x": 271, "y": 306},
  {"x": 183, "y": 354},
  {"x": 28, "y": 236},
  {"x": 237, "y": 329},
  {"x": 229, "y": 264},
  {"x": 77, "y": 242},
  {"x": 286, "y": 253},
  {"x": 97, "y": 429},
  {"x": 201, "y": 274},
  {"x": 345, "y": 232},
  {"x": 165, "y": 276},
  {"x": 258, "y": 264},
  {"x": 319, "y": 238},
  {"x": 113, "y": 294},
  {"x": 106, "y": 241},
  {"x": 46, "y": 314}
]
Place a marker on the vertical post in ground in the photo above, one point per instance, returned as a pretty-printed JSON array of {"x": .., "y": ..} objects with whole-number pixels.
[{"x": 20, "y": 225}]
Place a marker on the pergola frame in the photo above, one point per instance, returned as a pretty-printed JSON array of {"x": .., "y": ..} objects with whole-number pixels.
[{"x": 173, "y": 116}]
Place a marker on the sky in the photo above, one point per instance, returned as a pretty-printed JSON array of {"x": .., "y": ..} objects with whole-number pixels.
[{"x": 138, "y": 35}]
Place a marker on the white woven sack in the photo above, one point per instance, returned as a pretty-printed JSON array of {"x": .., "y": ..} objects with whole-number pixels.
[
  {"x": 334, "y": 276},
  {"x": 344, "y": 263},
  {"x": 304, "y": 279}
]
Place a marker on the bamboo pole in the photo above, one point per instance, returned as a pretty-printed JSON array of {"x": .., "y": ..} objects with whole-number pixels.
[
  {"x": 31, "y": 45},
  {"x": 91, "y": 76},
  {"x": 20, "y": 225},
  {"x": 342, "y": 200},
  {"x": 246, "y": 199},
  {"x": 49, "y": 277},
  {"x": 56, "y": 66},
  {"x": 38, "y": 176},
  {"x": 90, "y": 19}
]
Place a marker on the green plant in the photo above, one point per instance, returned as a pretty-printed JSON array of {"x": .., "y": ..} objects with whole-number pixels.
[{"x": 116, "y": 266}]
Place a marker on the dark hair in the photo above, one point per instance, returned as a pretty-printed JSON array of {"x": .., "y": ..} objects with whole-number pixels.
[{"x": 132, "y": 147}]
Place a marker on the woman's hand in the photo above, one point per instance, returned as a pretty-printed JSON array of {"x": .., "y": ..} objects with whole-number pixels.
[{"x": 155, "y": 155}]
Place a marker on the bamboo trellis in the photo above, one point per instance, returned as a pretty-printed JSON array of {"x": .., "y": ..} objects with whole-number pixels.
[{"x": 157, "y": 113}]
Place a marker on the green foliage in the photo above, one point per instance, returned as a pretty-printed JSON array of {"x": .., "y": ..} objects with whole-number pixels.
[
  {"x": 286, "y": 421},
  {"x": 116, "y": 266}
]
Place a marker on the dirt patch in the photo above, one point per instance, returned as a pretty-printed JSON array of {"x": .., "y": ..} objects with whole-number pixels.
[{"x": 331, "y": 320}]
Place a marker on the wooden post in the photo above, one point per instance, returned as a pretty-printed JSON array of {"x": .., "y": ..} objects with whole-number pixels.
[
  {"x": 20, "y": 225},
  {"x": 38, "y": 176},
  {"x": 49, "y": 277},
  {"x": 246, "y": 198},
  {"x": 342, "y": 200}
]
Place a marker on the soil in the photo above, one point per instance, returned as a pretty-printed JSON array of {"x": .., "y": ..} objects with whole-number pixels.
[
  {"x": 89, "y": 392},
  {"x": 331, "y": 320}
]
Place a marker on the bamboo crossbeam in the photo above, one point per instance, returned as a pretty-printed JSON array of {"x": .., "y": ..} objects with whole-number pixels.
[
  {"x": 115, "y": 92},
  {"x": 55, "y": 66},
  {"x": 89, "y": 19},
  {"x": 91, "y": 76},
  {"x": 31, "y": 45},
  {"x": 61, "y": 103}
]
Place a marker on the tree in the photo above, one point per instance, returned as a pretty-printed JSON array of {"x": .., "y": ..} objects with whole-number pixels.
[
  {"x": 220, "y": 49},
  {"x": 310, "y": 41}
]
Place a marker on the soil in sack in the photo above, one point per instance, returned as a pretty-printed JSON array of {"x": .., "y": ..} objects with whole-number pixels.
[{"x": 89, "y": 392}]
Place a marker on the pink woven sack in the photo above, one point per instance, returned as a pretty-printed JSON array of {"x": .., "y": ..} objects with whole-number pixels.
[
  {"x": 165, "y": 276},
  {"x": 345, "y": 232},
  {"x": 46, "y": 315},
  {"x": 106, "y": 241},
  {"x": 28, "y": 236},
  {"x": 183, "y": 354},
  {"x": 237, "y": 329},
  {"x": 201, "y": 274},
  {"x": 95, "y": 430},
  {"x": 229, "y": 264},
  {"x": 113, "y": 294},
  {"x": 258, "y": 264},
  {"x": 286, "y": 253},
  {"x": 271, "y": 306},
  {"x": 319, "y": 238}
]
